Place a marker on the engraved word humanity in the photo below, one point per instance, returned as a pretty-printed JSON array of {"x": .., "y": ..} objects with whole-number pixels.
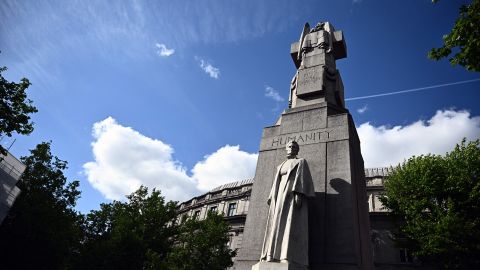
[
  {"x": 301, "y": 138},
  {"x": 305, "y": 137}
]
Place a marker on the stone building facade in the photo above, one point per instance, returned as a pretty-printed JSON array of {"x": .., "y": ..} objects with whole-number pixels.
[
  {"x": 11, "y": 170},
  {"x": 232, "y": 200}
]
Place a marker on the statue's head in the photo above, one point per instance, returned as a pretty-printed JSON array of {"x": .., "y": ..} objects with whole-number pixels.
[
  {"x": 318, "y": 27},
  {"x": 292, "y": 148}
]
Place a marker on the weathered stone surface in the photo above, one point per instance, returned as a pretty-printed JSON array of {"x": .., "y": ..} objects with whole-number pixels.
[
  {"x": 317, "y": 79},
  {"x": 339, "y": 45},
  {"x": 310, "y": 81},
  {"x": 291, "y": 123},
  {"x": 286, "y": 232},
  {"x": 324, "y": 129},
  {"x": 277, "y": 266},
  {"x": 312, "y": 119},
  {"x": 317, "y": 59},
  {"x": 335, "y": 220},
  {"x": 305, "y": 137},
  {"x": 251, "y": 249}
]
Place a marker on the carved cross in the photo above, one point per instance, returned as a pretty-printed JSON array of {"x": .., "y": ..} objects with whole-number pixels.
[{"x": 338, "y": 46}]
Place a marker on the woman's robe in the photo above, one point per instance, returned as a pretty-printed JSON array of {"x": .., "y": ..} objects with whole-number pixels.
[{"x": 286, "y": 234}]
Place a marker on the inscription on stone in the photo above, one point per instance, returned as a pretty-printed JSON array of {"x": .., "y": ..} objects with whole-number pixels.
[
  {"x": 305, "y": 137},
  {"x": 310, "y": 80}
]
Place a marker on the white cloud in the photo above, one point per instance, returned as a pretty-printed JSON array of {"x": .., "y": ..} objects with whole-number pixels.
[
  {"x": 124, "y": 159},
  {"x": 362, "y": 109},
  {"x": 209, "y": 69},
  {"x": 270, "y": 92},
  {"x": 384, "y": 146},
  {"x": 227, "y": 164},
  {"x": 163, "y": 51}
]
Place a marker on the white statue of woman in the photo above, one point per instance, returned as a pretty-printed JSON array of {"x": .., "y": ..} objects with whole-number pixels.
[{"x": 286, "y": 235}]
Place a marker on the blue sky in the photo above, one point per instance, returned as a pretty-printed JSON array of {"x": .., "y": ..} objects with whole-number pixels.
[{"x": 174, "y": 94}]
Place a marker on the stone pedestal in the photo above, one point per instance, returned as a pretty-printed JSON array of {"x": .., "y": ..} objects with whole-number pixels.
[
  {"x": 338, "y": 215},
  {"x": 322, "y": 126},
  {"x": 277, "y": 266}
]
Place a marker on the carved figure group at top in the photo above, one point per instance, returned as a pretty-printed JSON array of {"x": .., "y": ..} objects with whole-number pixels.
[
  {"x": 318, "y": 37},
  {"x": 318, "y": 48}
]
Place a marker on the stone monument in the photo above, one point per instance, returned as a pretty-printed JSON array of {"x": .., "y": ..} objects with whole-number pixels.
[
  {"x": 286, "y": 237},
  {"x": 337, "y": 233}
]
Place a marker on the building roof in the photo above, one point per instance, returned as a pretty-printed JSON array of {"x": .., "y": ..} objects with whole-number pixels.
[
  {"x": 233, "y": 184},
  {"x": 382, "y": 171}
]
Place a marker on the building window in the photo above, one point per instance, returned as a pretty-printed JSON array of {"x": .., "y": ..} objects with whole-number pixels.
[
  {"x": 377, "y": 204},
  {"x": 229, "y": 243},
  {"x": 405, "y": 256},
  {"x": 231, "y": 209},
  {"x": 370, "y": 202},
  {"x": 213, "y": 209},
  {"x": 196, "y": 214}
]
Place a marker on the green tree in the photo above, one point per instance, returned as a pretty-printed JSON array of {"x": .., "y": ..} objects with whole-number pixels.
[
  {"x": 437, "y": 199},
  {"x": 142, "y": 233},
  {"x": 125, "y": 235},
  {"x": 202, "y": 245},
  {"x": 463, "y": 40},
  {"x": 15, "y": 108},
  {"x": 41, "y": 229}
]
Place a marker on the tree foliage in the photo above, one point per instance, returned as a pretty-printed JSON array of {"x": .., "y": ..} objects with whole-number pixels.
[
  {"x": 121, "y": 234},
  {"x": 463, "y": 40},
  {"x": 141, "y": 233},
  {"x": 41, "y": 229},
  {"x": 15, "y": 108},
  {"x": 202, "y": 245},
  {"x": 438, "y": 199}
]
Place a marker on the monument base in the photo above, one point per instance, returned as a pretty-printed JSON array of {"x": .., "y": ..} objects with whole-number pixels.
[{"x": 277, "y": 266}]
